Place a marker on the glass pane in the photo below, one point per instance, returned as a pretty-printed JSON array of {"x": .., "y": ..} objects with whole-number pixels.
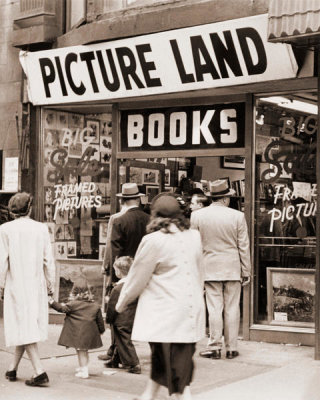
[
  {"x": 77, "y": 153},
  {"x": 285, "y": 207}
]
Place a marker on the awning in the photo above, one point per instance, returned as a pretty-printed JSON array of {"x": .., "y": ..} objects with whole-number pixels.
[{"x": 294, "y": 21}]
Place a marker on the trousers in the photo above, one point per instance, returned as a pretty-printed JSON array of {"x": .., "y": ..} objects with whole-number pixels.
[{"x": 223, "y": 303}]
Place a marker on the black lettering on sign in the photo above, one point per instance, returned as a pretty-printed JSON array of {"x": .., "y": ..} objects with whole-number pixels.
[
  {"x": 250, "y": 33},
  {"x": 48, "y": 73},
  {"x": 71, "y": 58},
  {"x": 61, "y": 77},
  {"x": 130, "y": 69},
  {"x": 226, "y": 54},
  {"x": 115, "y": 84},
  {"x": 194, "y": 127},
  {"x": 185, "y": 78},
  {"x": 199, "y": 49},
  {"x": 88, "y": 57},
  {"x": 147, "y": 66}
]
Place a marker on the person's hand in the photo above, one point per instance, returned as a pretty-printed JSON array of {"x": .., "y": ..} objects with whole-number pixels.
[
  {"x": 245, "y": 280},
  {"x": 1, "y": 293},
  {"x": 50, "y": 300}
]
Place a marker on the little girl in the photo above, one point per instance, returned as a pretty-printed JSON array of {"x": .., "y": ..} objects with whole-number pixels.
[{"x": 83, "y": 324}]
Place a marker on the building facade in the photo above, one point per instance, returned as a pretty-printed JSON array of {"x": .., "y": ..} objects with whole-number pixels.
[{"x": 172, "y": 94}]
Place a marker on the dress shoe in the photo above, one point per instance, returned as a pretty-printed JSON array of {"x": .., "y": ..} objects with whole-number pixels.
[
  {"x": 232, "y": 354},
  {"x": 215, "y": 354},
  {"x": 11, "y": 375},
  {"x": 111, "y": 364},
  {"x": 136, "y": 369},
  {"x": 39, "y": 380},
  {"x": 104, "y": 357}
]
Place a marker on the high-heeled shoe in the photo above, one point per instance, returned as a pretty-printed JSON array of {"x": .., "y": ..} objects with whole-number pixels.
[{"x": 11, "y": 375}]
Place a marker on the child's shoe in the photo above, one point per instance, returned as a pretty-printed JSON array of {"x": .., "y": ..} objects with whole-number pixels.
[{"x": 82, "y": 373}]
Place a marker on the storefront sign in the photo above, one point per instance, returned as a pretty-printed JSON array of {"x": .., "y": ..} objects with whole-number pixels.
[
  {"x": 201, "y": 127},
  {"x": 11, "y": 174},
  {"x": 200, "y": 57},
  {"x": 74, "y": 196}
]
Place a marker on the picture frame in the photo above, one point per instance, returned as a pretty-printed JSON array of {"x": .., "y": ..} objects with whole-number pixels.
[
  {"x": 233, "y": 162},
  {"x": 72, "y": 249},
  {"x": 94, "y": 124},
  {"x": 150, "y": 176},
  {"x": 290, "y": 296},
  {"x": 69, "y": 270},
  {"x": 103, "y": 229},
  {"x": 151, "y": 192}
]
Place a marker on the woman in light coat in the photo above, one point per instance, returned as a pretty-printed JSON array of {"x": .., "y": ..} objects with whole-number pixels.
[
  {"x": 26, "y": 275},
  {"x": 167, "y": 275}
]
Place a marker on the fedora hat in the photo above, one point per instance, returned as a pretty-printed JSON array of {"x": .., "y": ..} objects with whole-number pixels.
[
  {"x": 129, "y": 191},
  {"x": 220, "y": 188}
]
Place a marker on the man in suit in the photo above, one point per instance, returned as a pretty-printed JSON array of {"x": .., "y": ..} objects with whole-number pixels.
[
  {"x": 125, "y": 231},
  {"x": 227, "y": 265}
]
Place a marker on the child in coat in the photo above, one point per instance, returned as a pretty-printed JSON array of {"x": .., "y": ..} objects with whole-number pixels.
[
  {"x": 83, "y": 324},
  {"x": 121, "y": 324}
]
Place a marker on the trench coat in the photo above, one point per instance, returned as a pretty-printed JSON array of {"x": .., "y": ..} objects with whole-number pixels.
[
  {"x": 167, "y": 275},
  {"x": 225, "y": 242},
  {"x": 27, "y": 272}
]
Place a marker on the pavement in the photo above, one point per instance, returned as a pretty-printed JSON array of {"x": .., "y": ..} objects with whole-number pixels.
[{"x": 263, "y": 371}]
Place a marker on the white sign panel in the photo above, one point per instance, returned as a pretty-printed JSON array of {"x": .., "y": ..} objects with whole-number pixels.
[
  {"x": 200, "y": 57},
  {"x": 11, "y": 174}
]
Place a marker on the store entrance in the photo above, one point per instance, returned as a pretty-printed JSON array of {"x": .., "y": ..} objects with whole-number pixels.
[{"x": 184, "y": 177}]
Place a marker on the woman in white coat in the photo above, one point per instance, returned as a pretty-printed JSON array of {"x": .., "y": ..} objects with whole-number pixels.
[
  {"x": 26, "y": 276},
  {"x": 167, "y": 275}
]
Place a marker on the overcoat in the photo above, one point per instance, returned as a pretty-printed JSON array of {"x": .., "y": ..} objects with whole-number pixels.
[
  {"x": 225, "y": 242},
  {"x": 124, "y": 319},
  {"x": 167, "y": 275},
  {"x": 127, "y": 232},
  {"x": 83, "y": 324},
  {"x": 27, "y": 272}
]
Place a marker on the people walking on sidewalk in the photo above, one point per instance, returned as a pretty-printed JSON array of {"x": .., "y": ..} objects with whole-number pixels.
[
  {"x": 127, "y": 230},
  {"x": 83, "y": 324},
  {"x": 124, "y": 352},
  {"x": 227, "y": 264},
  {"x": 167, "y": 277},
  {"x": 27, "y": 274}
]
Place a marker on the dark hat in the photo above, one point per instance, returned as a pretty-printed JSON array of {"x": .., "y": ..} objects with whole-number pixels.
[
  {"x": 166, "y": 206},
  {"x": 220, "y": 188},
  {"x": 129, "y": 191},
  {"x": 20, "y": 203}
]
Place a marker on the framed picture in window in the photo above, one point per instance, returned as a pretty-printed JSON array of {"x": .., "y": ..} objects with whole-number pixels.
[
  {"x": 151, "y": 192},
  {"x": 93, "y": 133},
  {"x": 290, "y": 296},
  {"x": 233, "y": 162}
]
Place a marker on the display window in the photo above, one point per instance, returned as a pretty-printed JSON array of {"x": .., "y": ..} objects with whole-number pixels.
[
  {"x": 76, "y": 182},
  {"x": 285, "y": 209}
]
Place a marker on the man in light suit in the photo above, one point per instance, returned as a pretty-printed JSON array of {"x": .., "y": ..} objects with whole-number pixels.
[{"x": 227, "y": 265}]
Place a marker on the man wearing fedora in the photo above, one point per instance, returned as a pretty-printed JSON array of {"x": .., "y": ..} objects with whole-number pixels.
[
  {"x": 125, "y": 231},
  {"x": 227, "y": 265}
]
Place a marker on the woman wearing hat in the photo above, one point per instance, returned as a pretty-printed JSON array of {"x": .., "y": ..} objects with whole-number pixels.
[
  {"x": 167, "y": 277},
  {"x": 26, "y": 275}
]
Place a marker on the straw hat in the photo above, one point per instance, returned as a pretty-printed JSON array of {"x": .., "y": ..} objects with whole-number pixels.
[
  {"x": 220, "y": 188},
  {"x": 129, "y": 191}
]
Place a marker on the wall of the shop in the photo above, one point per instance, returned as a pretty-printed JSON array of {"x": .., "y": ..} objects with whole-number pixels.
[
  {"x": 211, "y": 169},
  {"x": 10, "y": 81}
]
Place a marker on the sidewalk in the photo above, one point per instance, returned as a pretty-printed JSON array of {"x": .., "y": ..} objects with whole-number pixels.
[{"x": 263, "y": 371}]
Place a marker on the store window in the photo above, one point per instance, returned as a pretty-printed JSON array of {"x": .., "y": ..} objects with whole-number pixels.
[
  {"x": 76, "y": 182},
  {"x": 112, "y": 5},
  {"x": 285, "y": 209}
]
